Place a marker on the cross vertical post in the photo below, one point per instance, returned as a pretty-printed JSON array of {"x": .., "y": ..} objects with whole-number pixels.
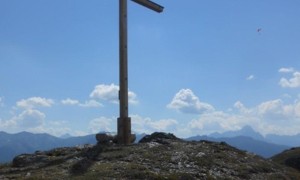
[
  {"x": 124, "y": 135},
  {"x": 124, "y": 122}
]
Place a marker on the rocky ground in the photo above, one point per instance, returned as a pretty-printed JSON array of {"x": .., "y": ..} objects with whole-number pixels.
[{"x": 159, "y": 156}]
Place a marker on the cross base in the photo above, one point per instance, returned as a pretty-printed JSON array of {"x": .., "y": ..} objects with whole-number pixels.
[{"x": 124, "y": 131}]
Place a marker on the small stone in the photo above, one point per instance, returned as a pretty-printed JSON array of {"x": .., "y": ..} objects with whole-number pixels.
[
  {"x": 200, "y": 154},
  {"x": 152, "y": 144},
  {"x": 180, "y": 166}
]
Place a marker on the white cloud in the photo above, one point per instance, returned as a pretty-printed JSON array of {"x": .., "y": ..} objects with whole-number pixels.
[
  {"x": 251, "y": 77},
  {"x": 132, "y": 98},
  {"x": 274, "y": 116},
  {"x": 1, "y": 102},
  {"x": 286, "y": 70},
  {"x": 138, "y": 125},
  {"x": 297, "y": 109},
  {"x": 287, "y": 96},
  {"x": 34, "y": 102},
  {"x": 272, "y": 109},
  {"x": 240, "y": 106},
  {"x": 29, "y": 118},
  {"x": 34, "y": 121},
  {"x": 278, "y": 129},
  {"x": 73, "y": 102},
  {"x": 147, "y": 125},
  {"x": 6, "y": 125},
  {"x": 87, "y": 104},
  {"x": 110, "y": 93},
  {"x": 53, "y": 130},
  {"x": 270, "y": 116},
  {"x": 91, "y": 103},
  {"x": 293, "y": 82},
  {"x": 217, "y": 121},
  {"x": 270, "y": 106},
  {"x": 187, "y": 102},
  {"x": 101, "y": 124},
  {"x": 69, "y": 101},
  {"x": 106, "y": 92},
  {"x": 164, "y": 124}
]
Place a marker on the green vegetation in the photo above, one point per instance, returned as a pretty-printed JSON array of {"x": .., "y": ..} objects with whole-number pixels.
[{"x": 290, "y": 158}]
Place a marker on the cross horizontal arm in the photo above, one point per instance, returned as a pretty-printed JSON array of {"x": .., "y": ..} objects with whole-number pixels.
[{"x": 151, "y": 5}]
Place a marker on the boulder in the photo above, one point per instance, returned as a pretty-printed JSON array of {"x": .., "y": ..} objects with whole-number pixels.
[
  {"x": 104, "y": 138},
  {"x": 159, "y": 137},
  {"x": 24, "y": 160}
]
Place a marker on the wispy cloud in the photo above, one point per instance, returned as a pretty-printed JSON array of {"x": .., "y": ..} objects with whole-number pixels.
[
  {"x": 70, "y": 101},
  {"x": 1, "y": 102},
  {"x": 74, "y": 102},
  {"x": 91, "y": 103},
  {"x": 251, "y": 77},
  {"x": 286, "y": 70}
]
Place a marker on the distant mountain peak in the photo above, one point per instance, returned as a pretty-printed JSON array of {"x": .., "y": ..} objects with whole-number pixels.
[
  {"x": 247, "y": 131},
  {"x": 247, "y": 128}
]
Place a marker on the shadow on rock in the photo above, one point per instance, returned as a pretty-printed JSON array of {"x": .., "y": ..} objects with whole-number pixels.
[{"x": 88, "y": 159}]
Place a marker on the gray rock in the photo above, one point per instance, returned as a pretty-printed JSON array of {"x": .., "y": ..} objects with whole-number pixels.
[
  {"x": 159, "y": 137},
  {"x": 29, "y": 159},
  {"x": 104, "y": 138}
]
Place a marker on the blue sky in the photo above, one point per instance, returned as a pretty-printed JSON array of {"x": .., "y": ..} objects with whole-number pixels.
[{"x": 197, "y": 68}]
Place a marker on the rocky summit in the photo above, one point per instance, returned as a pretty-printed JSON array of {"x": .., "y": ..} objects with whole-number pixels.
[{"x": 157, "y": 156}]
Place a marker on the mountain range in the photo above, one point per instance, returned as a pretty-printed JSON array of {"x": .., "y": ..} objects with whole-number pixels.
[
  {"x": 25, "y": 142},
  {"x": 287, "y": 140},
  {"x": 245, "y": 139}
]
